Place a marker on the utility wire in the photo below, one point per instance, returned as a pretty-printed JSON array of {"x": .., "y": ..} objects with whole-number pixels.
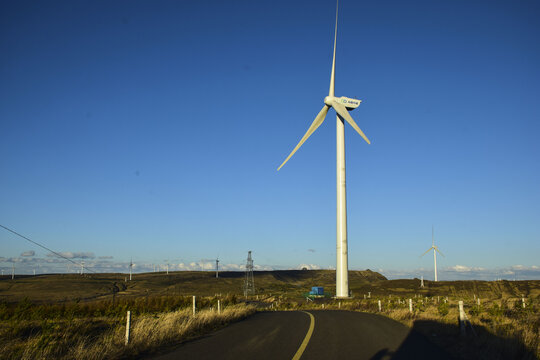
[{"x": 46, "y": 248}]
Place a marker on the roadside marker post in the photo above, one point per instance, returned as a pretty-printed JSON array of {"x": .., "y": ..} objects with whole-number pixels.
[
  {"x": 461, "y": 318},
  {"x": 380, "y": 308},
  {"x": 523, "y": 301},
  {"x": 219, "y": 306},
  {"x": 194, "y": 305},
  {"x": 128, "y": 325},
  {"x": 410, "y": 305}
]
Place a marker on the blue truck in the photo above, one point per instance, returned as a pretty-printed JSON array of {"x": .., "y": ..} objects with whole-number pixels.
[{"x": 317, "y": 291}]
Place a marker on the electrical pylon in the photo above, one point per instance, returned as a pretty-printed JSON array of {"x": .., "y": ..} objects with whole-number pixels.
[{"x": 249, "y": 286}]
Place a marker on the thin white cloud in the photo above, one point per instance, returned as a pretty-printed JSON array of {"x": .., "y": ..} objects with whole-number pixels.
[
  {"x": 74, "y": 255},
  {"x": 308, "y": 267},
  {"x": 464, "y": 272},
  {"x": 463, "y": 268}
]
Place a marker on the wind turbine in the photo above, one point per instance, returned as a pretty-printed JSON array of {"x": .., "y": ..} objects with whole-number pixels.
[
  {"x": 435, "y": 251},
  {"x": 217, "y": 268},
  {"x": 341, "y": 105},
  {"x": 130, "y": 267}
]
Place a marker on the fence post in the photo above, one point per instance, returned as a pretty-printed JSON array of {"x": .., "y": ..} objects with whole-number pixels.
[
  {"x": 369, "y": 295},
  {"x": 193, "y": 305},
  {"x": 380, "y": 309},
  {"x": 410, "y": 305},
  {"x": 523, "y": 301},
  {"x": 461, "y": 318},
  {"x": 478, "y": 301},
  {"x": 219, "y": 306},
  {"x": 128, "y": 324},
  {"x": 339, "y": 305}
]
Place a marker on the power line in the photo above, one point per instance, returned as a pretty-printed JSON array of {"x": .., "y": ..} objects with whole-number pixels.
[{"x": 46, "y": 248}]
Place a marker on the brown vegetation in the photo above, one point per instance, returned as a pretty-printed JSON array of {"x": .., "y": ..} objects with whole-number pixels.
[{"x": 95, "y": 331}]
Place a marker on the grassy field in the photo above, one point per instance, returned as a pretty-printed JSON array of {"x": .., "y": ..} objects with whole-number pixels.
[
  {"x": 69, "y": 287},
  {"x": 70, "y": 316}
]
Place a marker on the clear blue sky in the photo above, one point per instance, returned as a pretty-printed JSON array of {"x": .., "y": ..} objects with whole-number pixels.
[{"x": 153, "y": 129}]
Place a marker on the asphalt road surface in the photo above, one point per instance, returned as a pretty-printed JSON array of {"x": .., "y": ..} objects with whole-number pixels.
[{"x": 311, "y": 335}]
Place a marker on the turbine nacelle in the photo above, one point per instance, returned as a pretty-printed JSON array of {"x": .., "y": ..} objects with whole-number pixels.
[{"x": 345, "y": 101}]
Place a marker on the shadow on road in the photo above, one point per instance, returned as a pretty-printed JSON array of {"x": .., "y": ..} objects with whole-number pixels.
[{"x": 483, "y": 345}]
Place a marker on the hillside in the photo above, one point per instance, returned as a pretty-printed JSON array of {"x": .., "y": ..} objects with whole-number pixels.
[
  {"x": 293, "y": 283},
  {"x": 60, "y": 287}
]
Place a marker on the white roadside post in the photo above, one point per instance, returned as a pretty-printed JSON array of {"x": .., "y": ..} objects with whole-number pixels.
[
  {"x": 461, "y": 318},
  {"x": 380, "y": 308},
  {"x": 193, "y": 305},
  {"x": 478, "y": 301},
  {"x": 410, "y": 305},
  {"x": 369, "y": 295},
  {"x": 523, "y": 301},
  {"x": 128, "y": 325},
  {"x": 219, "y": 306}
]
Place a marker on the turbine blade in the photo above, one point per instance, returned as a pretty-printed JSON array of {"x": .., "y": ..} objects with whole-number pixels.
[
  {"x": 437, "y": 249},
  {"x": 342, "y": 111},
  {"x": 314, "y": 125},
  {"x": 333, "y": 75},
  {"x": 428, "y": 250}
]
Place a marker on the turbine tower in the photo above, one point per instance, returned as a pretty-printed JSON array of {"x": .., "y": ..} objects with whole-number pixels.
[
  {"x": 217, "y": 268},
  {"x": 435, "y": 251},
  {"x": 130, "y": 267},
  {"x": 341, "y": 105}
]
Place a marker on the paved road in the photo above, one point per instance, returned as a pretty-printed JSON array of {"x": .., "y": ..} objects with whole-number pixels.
[{"x": 333, "y": 335}]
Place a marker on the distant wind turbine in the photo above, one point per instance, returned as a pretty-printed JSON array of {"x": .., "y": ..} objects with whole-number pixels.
[
  {"x": 130, "y": 268},
  {"x": 217, "y": 268},
  {"x": 341, "y": 105},
  {"x": 435, "y": 251}
]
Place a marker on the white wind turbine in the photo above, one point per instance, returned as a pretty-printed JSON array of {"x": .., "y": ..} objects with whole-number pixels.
[
  {"x": 130, "y": 268},
  {"x": 435, "y": 251},
  {"x": 341, "y": 105}
]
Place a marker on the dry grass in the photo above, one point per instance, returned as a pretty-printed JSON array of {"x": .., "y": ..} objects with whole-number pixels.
[{"x": 104, "y": 338}]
